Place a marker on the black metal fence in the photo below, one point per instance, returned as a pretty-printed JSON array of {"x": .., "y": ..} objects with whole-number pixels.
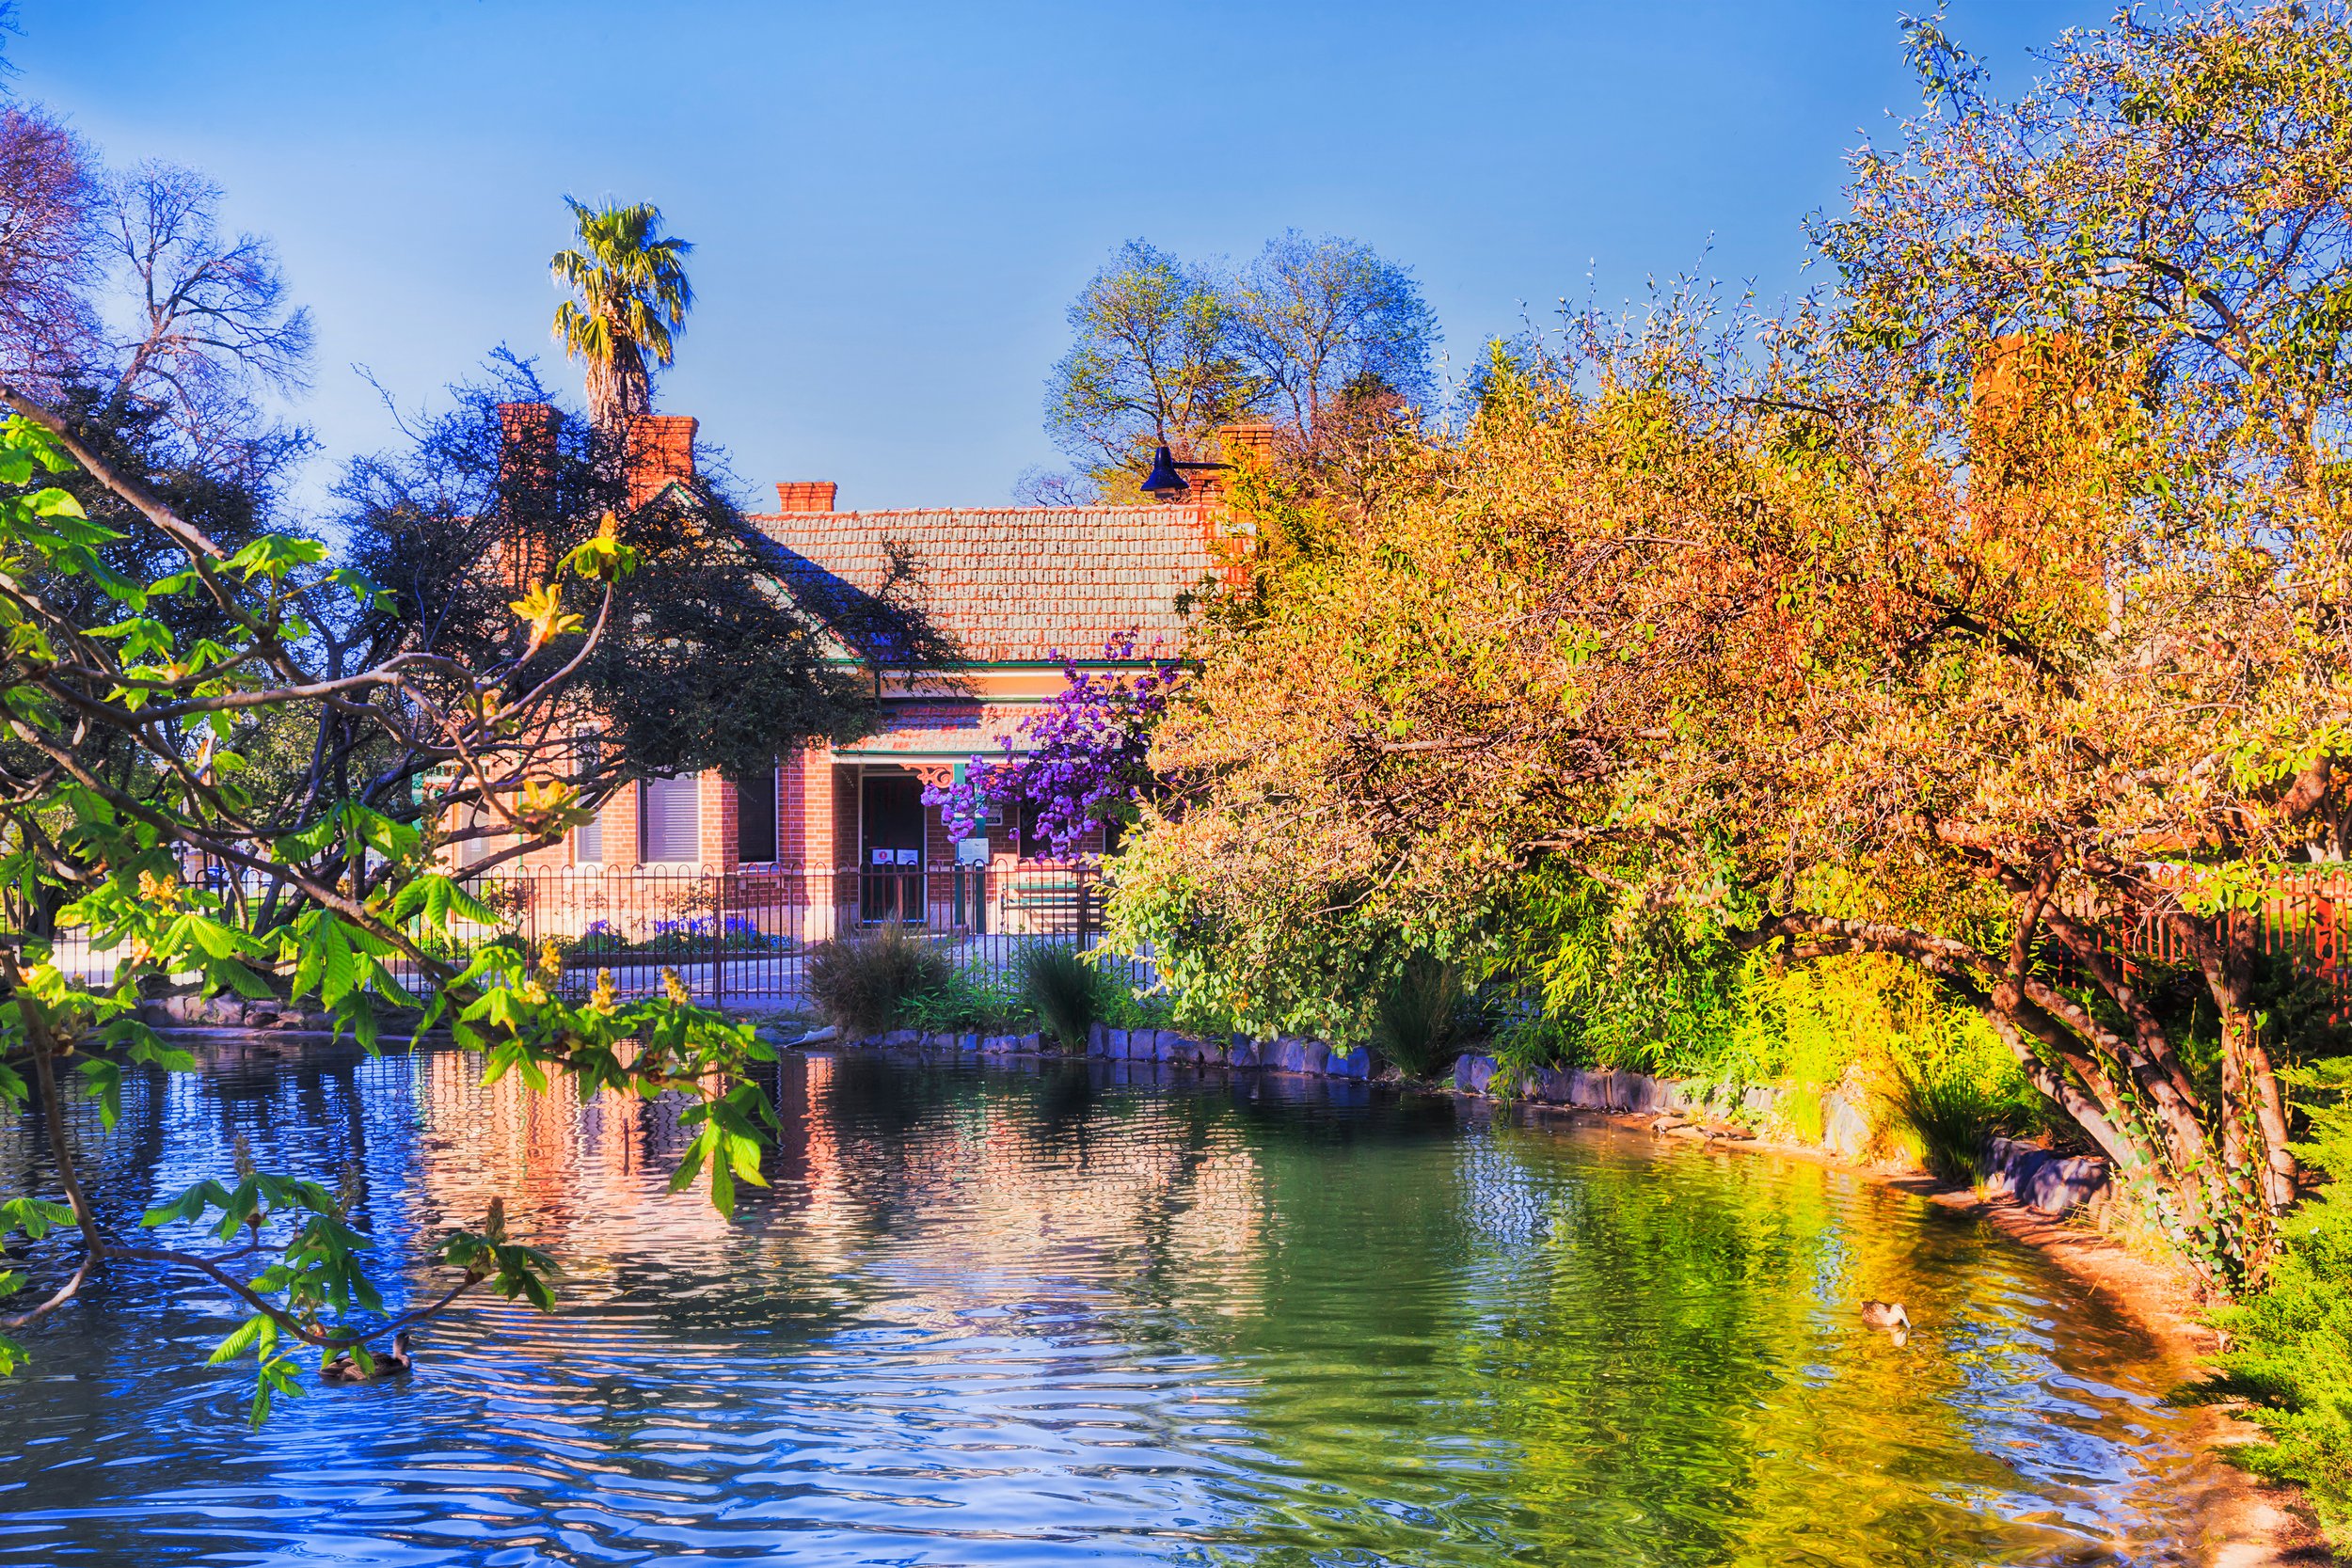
[{"x": 741, "y": 938}]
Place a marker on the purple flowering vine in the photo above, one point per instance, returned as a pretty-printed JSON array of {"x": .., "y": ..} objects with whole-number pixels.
[{"x": 1084, "y": 765}]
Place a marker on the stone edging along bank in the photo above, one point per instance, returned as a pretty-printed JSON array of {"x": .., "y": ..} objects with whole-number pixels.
[{"x": 2033, "y": 1176}]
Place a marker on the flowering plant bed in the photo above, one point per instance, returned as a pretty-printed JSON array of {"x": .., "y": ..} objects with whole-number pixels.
[{"x": 603, "y": 943}]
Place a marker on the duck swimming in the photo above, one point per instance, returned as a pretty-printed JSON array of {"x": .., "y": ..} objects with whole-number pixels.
[
  {"x": 1890, "y": 1316},
  {"x": 392, "y": 1363}
]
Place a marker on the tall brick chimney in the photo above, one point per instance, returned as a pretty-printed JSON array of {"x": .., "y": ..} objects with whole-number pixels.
[
  {"x": 1231, "y": 538},
  {"x": 526, "y": 473},
  {"x": 1243, "y": 445},
  {"x": 806, "y": 495},
  {"x": 526, "y": 439},
  {"x": 1249, "y": 442},
  {"x": 661, "y": 451}
]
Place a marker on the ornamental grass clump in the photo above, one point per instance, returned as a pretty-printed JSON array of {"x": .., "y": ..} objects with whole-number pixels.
[
  {"x": 1063, "y": 990},
  {"x": 1946, "y": 1115},
  {"x": 864, "y": 984},
  {"x": 1418, "y": 1019}
]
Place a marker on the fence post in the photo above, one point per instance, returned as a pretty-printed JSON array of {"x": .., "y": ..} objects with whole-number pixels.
[{"x": 718, "y": 938}]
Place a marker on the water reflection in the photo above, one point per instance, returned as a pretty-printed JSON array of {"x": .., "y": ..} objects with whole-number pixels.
[{"x": 1036, "y": 1318}]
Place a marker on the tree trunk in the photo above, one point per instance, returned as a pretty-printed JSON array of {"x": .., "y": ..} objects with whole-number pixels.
[
  {"x": 619, "y": 389},
  {"x": 2253, "y": 1107}
]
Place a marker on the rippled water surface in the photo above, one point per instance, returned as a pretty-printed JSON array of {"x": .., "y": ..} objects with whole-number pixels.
[{"x": 1049, "y": 1317}]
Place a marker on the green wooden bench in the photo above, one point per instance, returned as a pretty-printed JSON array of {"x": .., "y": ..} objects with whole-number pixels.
[{"x": 1055, "y": 906}]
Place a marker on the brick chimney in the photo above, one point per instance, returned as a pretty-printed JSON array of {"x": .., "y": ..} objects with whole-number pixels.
[
  {"x": 526, "y": 439},
  {"x": 806, "y": 495},
  {"x": 1242, "y": 445},
  {"x": 1231, "y": 538},
  {"x": 525, "y": 470},
  {"x": 661, "y": 451},
  {"x": 1252, "y": 443}
]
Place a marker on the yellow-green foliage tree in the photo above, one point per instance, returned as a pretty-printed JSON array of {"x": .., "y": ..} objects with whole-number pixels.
[
  {"x": 1997, "y": 594},
  {"x": 359, "y": 912}
]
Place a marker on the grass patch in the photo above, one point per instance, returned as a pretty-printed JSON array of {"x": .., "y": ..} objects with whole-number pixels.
[
  {"x": 1943, "y": 1115},
  {"x": 969, "y": 1003}
]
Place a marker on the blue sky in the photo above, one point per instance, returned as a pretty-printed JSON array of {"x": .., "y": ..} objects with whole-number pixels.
[{"x": 892, "y": 204}]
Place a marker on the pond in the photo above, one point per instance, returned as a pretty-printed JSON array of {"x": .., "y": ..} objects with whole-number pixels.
[{"x": 1052, "y": 1316}]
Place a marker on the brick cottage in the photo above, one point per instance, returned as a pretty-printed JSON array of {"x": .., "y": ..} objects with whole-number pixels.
[{"x": 833, "y": 837}]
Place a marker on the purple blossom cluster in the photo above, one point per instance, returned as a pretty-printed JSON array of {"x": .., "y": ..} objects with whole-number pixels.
[{"x": 1085, "y": 763}]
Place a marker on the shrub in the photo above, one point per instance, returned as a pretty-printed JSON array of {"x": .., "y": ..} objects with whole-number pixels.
[
  {"x": 1063, "y": 990},
  {"x": 2291, "y": 1346},
  {"x": 1125, "y": 1008},
  {"x": 864, "y": 984},
  {"x": 1804, "y": 1111},
  {"x": 966, "y": 1002},
  {"x": 1417, "y": 1019}
]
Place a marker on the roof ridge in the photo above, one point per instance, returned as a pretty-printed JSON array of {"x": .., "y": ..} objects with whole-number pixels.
[
  {"x": 995, "y": 511},
  {"x": 1016, "y": 582}
]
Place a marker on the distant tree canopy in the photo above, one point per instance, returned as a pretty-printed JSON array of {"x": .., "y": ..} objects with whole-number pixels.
[
  {"x": 1311, "y": 334},
  {"x": 1316, "y": 322},
  {"x": 122, "y": 296}
]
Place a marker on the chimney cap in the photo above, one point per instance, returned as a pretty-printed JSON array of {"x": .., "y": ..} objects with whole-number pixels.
[{"x": 806, "y": 495}]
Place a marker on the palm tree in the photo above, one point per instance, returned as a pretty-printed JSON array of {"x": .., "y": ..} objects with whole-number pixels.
[{"x": 633, "y": 302}]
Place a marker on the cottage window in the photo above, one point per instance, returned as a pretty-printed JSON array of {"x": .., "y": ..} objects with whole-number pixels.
[
  {"x": 755, "y": 818},
  {"x": 669, "y": 822},
  {"x": 473, "y": 821},
  {"x": 588, "y": 842}
]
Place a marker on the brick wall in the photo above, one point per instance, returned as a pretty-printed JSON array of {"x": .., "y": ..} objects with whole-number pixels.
[
  {"x": 805, "y": 810},
  {"x": 845, "y": 817},
  {"x": 807, "y": 828},
  {"x": 715, "y": 797},
  {"x": 620, "y": 827}
]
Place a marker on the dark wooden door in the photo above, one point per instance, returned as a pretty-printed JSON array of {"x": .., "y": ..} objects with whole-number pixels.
[{"x": 890, "y": 860}]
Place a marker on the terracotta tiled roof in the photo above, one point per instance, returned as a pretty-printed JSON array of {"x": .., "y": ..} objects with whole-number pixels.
[{"x": 1019, "y": 583}]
